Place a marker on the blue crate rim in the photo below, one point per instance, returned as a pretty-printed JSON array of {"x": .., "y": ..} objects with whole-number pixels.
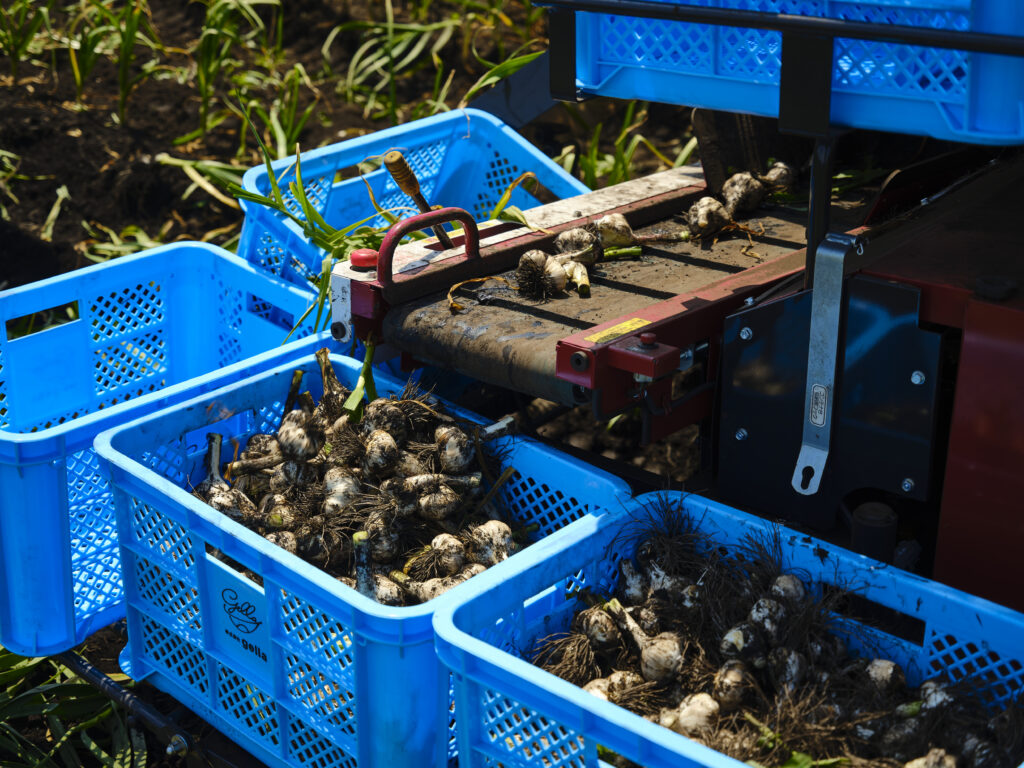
[
  {"x": 23, "y": 440},
  {"x": 455, "y": 646},
  {"x": 197, "y": 510},
  {"x": 251, "y": 176}
]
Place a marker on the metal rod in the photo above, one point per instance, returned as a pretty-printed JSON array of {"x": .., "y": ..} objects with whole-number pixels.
[
  {"x": 178, "y": 742},
  {"x": 892, "y": 33},
  {"x": 819, "y": 209}
]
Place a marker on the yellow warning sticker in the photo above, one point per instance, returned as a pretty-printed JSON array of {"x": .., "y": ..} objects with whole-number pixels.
[{"x": 618, "y": 330}]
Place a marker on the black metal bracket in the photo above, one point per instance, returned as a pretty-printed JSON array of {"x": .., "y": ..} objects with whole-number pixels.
[{"x": 562, "y": 28}]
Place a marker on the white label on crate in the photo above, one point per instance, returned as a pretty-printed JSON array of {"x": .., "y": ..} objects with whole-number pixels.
[
  {"x": 239, "y": 620},
  {"x": 819, "y": 405}
]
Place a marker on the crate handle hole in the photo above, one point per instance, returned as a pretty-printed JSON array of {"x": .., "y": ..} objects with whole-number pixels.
[{"x": 42, "y": 320}]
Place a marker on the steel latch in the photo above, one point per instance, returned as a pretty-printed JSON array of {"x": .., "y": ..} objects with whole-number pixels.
[{"x": 822, "y": 359}]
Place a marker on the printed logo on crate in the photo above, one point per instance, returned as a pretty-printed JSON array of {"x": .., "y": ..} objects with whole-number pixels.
[
  {"x": 240, "y": 623},
  {"x": 240, "y": 612}
]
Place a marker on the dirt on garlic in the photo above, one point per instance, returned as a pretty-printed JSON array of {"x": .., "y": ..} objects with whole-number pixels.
[
  {"x": 726, "y": 649},
  {"x": 393, "y": 504}
]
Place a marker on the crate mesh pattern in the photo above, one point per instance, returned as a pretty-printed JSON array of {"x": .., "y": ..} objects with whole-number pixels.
[
  {"x": 314, "y": 652},
  {"x": 967, "y": 639},
  {"x": 876, "y": 85},
  {"x": 463, "y": 158},
  {"x": 136, "y": 335}
]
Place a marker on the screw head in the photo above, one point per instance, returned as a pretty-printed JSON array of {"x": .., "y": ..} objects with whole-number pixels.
[
  {"x": 741, "y": 434},
  {"x": 579, "y": 361},
  {"x": 177, "y": 745},
  {"x": 749, "y": 301},
  {"x": 907, "y": 485},
  {"x": 648, "y": 339},
  {"x": 746, "y": 333},
  {"x": 339, "y": 331},
  {"x": 918, "y": 378}
]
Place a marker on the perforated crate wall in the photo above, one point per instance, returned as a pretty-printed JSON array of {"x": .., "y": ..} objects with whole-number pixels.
[
  {"x": 133, "y": 332},
  {"x": 310, "y": 650},
  {"x": 886, "y": 86},
  {"x": 514, "y": 714},
  {"x": 462, "y": 158}
]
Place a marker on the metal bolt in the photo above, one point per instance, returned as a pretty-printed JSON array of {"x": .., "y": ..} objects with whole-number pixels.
[
  {"x": 339, "y": 331},
  {"x": 746, "y": 333},
  {"x": 749, "y": 301},
  {"x": 177, "y": 745},
  {"x": 741, "y": 434},
  {"x": 907, "y": 485},
  {"x": 917, "y": 377},
  {"x": 648, "y": 340},
  {"x": 579, "y": 361}
]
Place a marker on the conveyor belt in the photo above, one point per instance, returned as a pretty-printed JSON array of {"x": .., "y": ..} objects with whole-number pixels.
[{"x": 508, "y": 340}]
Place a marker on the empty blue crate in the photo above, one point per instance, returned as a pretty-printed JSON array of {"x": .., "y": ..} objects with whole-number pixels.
[
  {"x": 319, "y": 675},
  {"x": 130, "y": 333},
  {"x": 512, "y": 713},
  {"x": 948, "y": 94},
  {"x": 464, "y": 158}
]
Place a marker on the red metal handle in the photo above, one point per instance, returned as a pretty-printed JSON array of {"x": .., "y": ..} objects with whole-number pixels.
[{"x": 422, "y": 221}]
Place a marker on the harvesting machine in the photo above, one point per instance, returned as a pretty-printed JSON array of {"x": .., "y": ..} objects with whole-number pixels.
[{"x": 856, "y": 369}]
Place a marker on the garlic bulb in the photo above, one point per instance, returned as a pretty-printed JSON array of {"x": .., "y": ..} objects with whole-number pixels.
[
  {"x": 743, "y": 193},
  {"x": 707, "y": 216}
]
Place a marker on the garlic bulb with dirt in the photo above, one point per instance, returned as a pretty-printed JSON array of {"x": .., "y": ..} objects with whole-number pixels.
[
  {"x": 451, "y": 552},
  {"x": 297, "y": 441},
  {"x": 289, "y": 474},
  {"x": 341, "y": 489},
  {"x": 732, "y": 684},
  {"x": 600, "y": 629},
  {"x": 632, "y": 583},
  {"x": 935, "y": 695},
  {"x": 788, "y": 588},
  {"x": 885, "y": 675},
  {"x": 490, "y": 543},
  {"x": 383, "y": 414},
  {"x": 533, "y": 276},
  {"x": 614, "y": 232},
  {"x": 780, "y": 176},
  {"x": 744, "y": 642},
  {"x": 454, "y": 449},
  {"x": 431, "y": 588},
  {"x": 661, "y": 656},
  {"x": 579, "y": 244},
  {"x": 286, "y": 540},
  {"x": 214, "y": 489},
  {"x": 332, "y": 403},
  {"x": 554, "y": 277},
  {"x": 598, "y": 687},
  {"x": 381, "y": 454},
  {"x": 439, "y": 504},
  {"x": 707, "y": 217},
  {"x": 694, "y": 715},
  {"x": 936, "y": 758},
  {"x": 788, "y": 668},
  {"x": 770, "y": 617},
  {"x": 742, "y": 193}
]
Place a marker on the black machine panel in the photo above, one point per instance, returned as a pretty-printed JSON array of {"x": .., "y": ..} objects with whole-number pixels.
[{"x": 885, "y": 415}]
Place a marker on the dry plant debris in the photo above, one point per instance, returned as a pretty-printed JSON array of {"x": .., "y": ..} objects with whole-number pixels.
[{"x": 728, "y": 650}]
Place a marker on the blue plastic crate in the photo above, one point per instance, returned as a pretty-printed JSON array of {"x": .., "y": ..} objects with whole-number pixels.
[
  {"x": 947, "y": 94},
  {"x": 512, "y": 713},
  {"x": 466, "y": 158},
  {"x": 146, "y": 324},
  {"x": 319, "y": 675}
]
